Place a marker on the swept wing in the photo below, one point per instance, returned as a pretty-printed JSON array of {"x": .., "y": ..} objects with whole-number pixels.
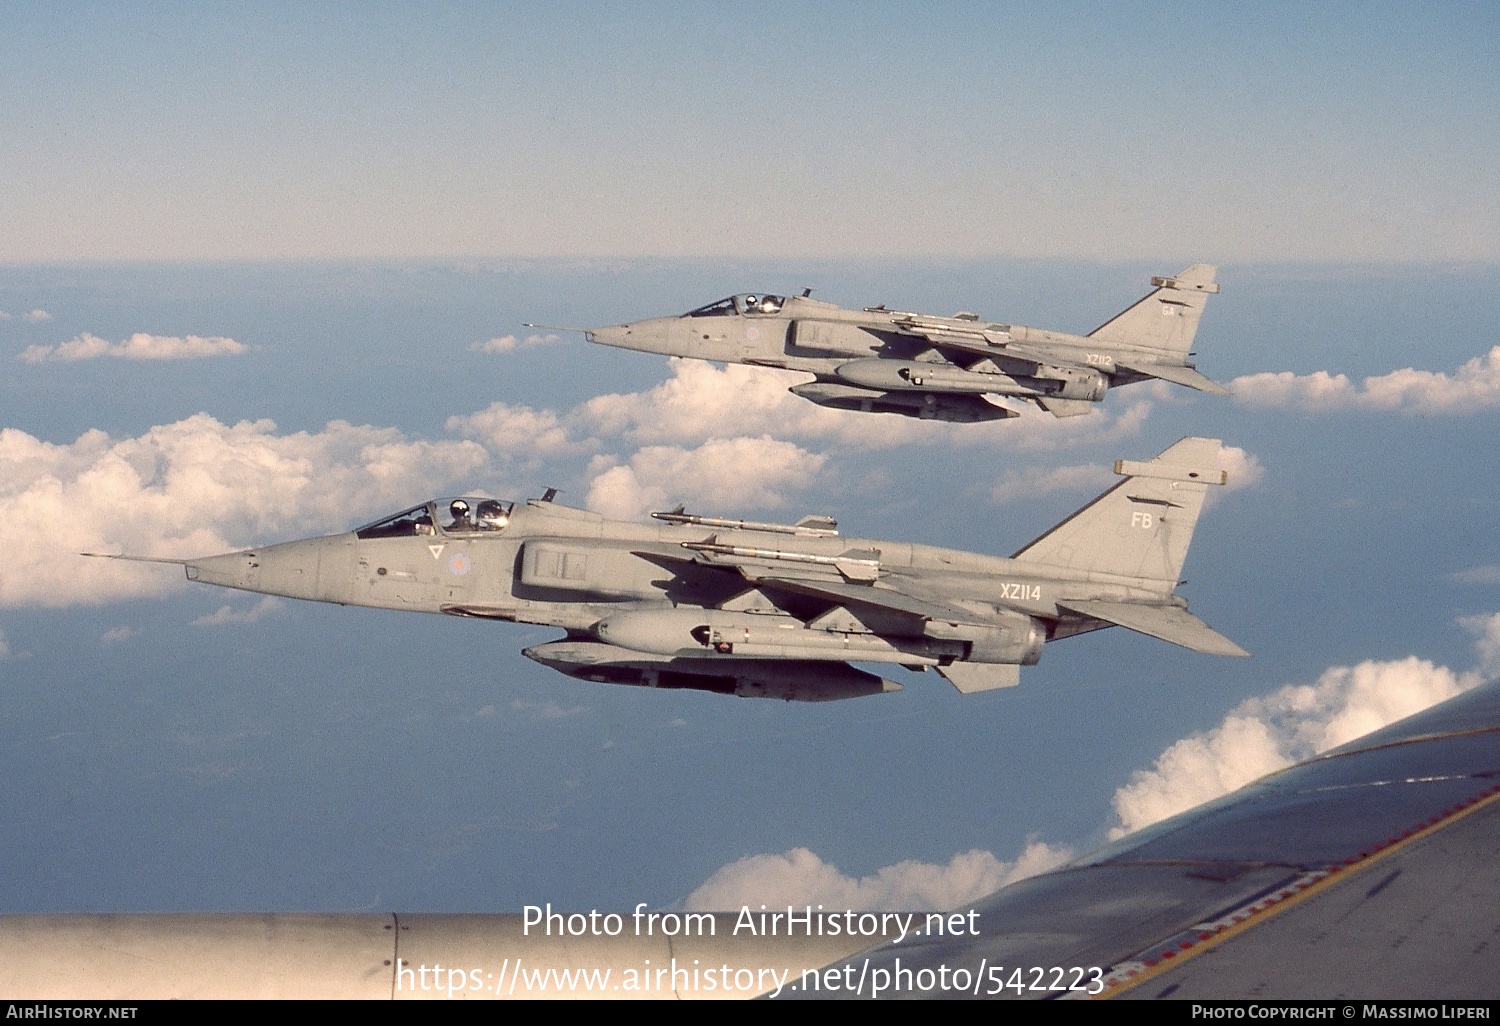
[{"x": 1366, "y": 872}]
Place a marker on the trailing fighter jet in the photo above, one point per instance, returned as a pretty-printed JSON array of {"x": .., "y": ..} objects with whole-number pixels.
[
  {"x": 765, "y": 610},
  {"x": 939, "y": 368}
]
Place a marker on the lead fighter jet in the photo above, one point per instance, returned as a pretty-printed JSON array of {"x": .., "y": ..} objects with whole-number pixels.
[
  {"x": 939, "y": 368},
  {"x": 765, "y": 610}
]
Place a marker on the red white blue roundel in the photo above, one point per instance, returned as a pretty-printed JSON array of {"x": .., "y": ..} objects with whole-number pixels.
[
  {"x": 752, "y": 332},
  {"x": 460, "y": 564}
]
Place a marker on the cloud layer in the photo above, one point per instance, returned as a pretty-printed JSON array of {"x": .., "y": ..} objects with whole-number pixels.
[
  {"x": 139, "y": 346},
  {"x": 193, "y": 488},
  {"x": 701, "y": 401},
  {"x": 1267, "y": 734},
  {"x": 1478, "y": 575},
  {"x": 734, "y": 473},
  {"x": 227, "y": 614},
  {"x": 733, "y": 437},
  {"x": 725, "y": 439},
  {"x": 509, "y": 343},
  {"x": 798, "y": 877},
  {"x": 1258, "y": 737},
  {"x": 1473, "y": 387}
]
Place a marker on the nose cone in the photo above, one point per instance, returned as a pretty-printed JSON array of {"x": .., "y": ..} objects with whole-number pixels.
[
  {"x": 621, "y": 336},
  {"x": 320, "y": 569},
  {"x": 231, "y": 570},
  {"x": 666, "y": 335}
]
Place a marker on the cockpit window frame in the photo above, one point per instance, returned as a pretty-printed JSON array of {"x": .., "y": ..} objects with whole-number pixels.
[
  {"x": 740, "y": 305},
  {"x": 475, "y": 528},
  {"x": 409, "y": 522},
  {"x": 366, "y": 531},
  {"x": 727, "y": 307},
  {"x": 751, "y": 304}
]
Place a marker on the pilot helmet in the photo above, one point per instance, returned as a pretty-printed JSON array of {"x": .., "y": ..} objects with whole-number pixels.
[
  {"x": 459, "y": 509},
  {"x": 492, "y": 514}
]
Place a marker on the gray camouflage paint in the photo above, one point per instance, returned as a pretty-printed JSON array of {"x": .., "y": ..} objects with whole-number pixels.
[
  {"x": 767, "y": 610},
  {"x": 939, "y": 368}
]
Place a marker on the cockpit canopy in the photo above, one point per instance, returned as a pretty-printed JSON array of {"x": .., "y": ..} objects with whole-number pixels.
[
  {"x": 749, "y": 304},
  {"x": 462, "y": 515}
]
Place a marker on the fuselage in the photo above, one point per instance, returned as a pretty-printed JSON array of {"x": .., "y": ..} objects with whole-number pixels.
[
  {"x": 932, "y": 367},
  {"x": 759, "y": 609},
  {"x": 570, "y": 568},
  {"x": 804, "y": 334}
]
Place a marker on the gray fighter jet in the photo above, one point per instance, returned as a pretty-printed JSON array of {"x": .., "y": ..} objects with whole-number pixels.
[
  {"x": 939, "y": 368},
  {"x": 765, "y": 610}
]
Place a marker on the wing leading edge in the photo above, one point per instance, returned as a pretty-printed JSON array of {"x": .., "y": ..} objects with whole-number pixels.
[{"x": 1369, "y": 870}]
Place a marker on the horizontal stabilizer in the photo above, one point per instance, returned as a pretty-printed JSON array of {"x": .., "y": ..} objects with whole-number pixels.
[
  {"x": 973, "y": 677},
  {"x": 1167, "y": 623},
  {"x": 1177, "y": 375}
]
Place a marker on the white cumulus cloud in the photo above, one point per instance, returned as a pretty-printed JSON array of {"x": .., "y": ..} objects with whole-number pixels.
[
  {"x": 1478, "y": 575},
  {"x": 799, "y": 877},
  {"x": 139, "y": 346},
  {"x": 1266, "y": 734},
  {"x": 1487, "y": 642},
  {"x": 509, "y": 343},
  {"x": 192, "y": 488},
  {"x": 734, "y": 436},
  {"x": 1244, "y": 470},
  {"x": 1474, "y": 386},
  {"x": 36, "y": 316},
  {"x": 725, "y": 473},
  {"x": 1258, "y": 737},
  {"x": 227, "y": 614},
  {"x": 1032, "y": 481},
  {"x": 520, "y": 431},
  {"x": 701, "y": 401}
]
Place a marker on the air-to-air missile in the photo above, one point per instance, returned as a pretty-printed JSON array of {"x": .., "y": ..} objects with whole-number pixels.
[
  {"x": 941, "y": 368},
  {"x": 760, "y": 609}
]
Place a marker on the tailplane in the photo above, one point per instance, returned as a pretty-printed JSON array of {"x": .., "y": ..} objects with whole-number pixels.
[
  {"x": 1142, "y": 526},
  {"x": 1165, "y": 320}
]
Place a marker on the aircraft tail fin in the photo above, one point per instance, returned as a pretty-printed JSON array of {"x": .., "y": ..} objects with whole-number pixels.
[
  {"x": 1167, "y": 318},
  {"x": 1142, "y": 526}
]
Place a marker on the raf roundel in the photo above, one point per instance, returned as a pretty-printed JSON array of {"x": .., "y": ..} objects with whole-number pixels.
[{"x": 460, "y": 564}]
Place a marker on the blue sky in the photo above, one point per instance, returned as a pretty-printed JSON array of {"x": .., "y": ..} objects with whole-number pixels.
[
  {"x": 1260, "y": 131},
  {"x": 321, "y": 215}
]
